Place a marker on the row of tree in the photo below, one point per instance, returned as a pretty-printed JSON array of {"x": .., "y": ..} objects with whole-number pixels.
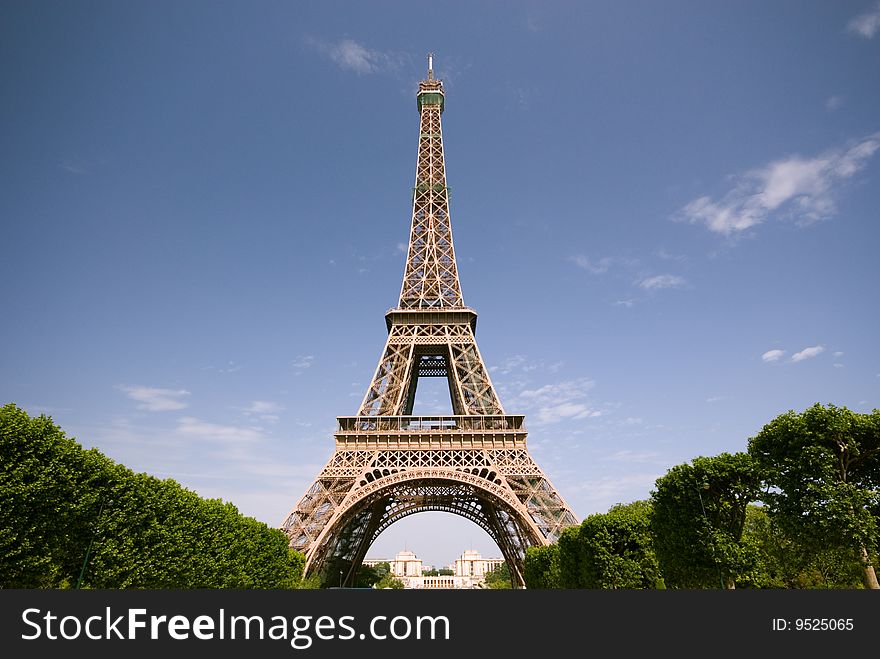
[
  {"x": 73, "y": 518},
  {"x": 799, "y": 509}
]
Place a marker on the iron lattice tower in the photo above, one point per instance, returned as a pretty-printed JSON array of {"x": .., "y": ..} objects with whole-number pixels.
[{"x": 389, "y": 464}]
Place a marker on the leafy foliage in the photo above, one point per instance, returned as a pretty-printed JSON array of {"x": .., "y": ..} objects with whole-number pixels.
[
  {"x": 783, "y": 562},
  {"x": 71, "y": 517},
  {"x": 699, "y": 512},
  {"x": 389, "y": 581},
  {"x": 822, "y": 469},
  {"x": 541, "y": 568},
  {"x": 498, "y": 578},
  {"x": 611, "y": 550}
]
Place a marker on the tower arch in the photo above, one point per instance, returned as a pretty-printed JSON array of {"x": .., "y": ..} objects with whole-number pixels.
[{"x": 344, "y": 542}]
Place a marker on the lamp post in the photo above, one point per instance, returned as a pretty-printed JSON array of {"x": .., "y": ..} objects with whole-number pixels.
[
  {"x": 705, "y": 486},
  {"x": 89, "y": 549}
]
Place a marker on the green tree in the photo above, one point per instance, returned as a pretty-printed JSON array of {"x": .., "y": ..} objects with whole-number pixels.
[
  {"x": 369, "y": 575},
  {"x": 389, "y": 581},
  {"x": 498, "y": 577},
  {"x": 699, "y": 512},
  {"x": 614, "y": 550},
  {"x": 783, "y": 562},
  {"x": 541, "y": 567},
  {"x": 72, "y": 518},
  {"x": 822, "y": 469},
  {"x": 571, "y": 554}
]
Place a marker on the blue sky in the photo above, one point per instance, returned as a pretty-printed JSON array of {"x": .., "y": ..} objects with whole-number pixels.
[{"x": 665, "y": 214}]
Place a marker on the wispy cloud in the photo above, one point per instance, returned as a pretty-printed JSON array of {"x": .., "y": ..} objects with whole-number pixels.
[
  {"x": 508, "y": 365},
  {"x": 669, "y": 256},
  {"x": 561, "y": 391},
  {"x": 807, "y": 353},
  {"x": 834, "y": 103},
  {"x": 154, "y": 399},
  {"x": 627, "y": 455},
  {"x": 596, "y": 267},
  {"x": 303, "y": 362},
  {"x": 773, "y": 355},
  {"x": 523, "y": 364},
  {"x": 74, "y": 167},
  {"x": 194, "y": 427},
  {"x": 559, "y": 401},
  {"x": 618, "y": 487},
  {"x": 263, "y": 407},
  {"x": 349, "y": 55},
  {"x": 264, "y": 410},
  {"x": 867, "y": 24},
  {"x": 555, "y": 413},
  {"x": 662, "y": 281},
  {"x": 802, "y": 188}
]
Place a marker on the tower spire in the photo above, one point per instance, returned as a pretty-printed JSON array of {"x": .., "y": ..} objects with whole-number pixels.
[{"x": 430, "y": 278}]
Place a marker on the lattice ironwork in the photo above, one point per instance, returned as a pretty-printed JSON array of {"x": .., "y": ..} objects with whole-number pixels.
[{"x": 389, "y": 464}]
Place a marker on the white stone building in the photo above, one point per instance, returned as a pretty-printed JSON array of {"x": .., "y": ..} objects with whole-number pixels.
[{"x": 469, "y": 570}]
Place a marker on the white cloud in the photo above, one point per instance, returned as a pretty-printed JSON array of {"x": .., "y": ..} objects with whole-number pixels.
[
  {"x": 562, "y": 391},
  {"x": 833, "y": 103},
  {"x": 627, "y": 455},
  {"x": 154, "y": 399},
  {"x": 303, "y": 362},
  {"x": 230, "y": 434},
  {"x": 509, "y": 364},
  {"x": 807, "y": 353},
  {"x": 552, "y": 403},
  {"x": 555, "y": 413},
  {"x": 615, "y": 488},
  {"x": 264, "y": 410},
  {"x": 662, "y": 281},
  {"x": 402, "y": 248},
  {"x": 839, "y": 353},
  {"x": 866, "y": 24},
  {"x": 597, "y": 268},
  {"x": 773, "y": 355},
  {"x": 667, "y": 256},
  {"x": 524, "y": 365},
  {"x": 714, "y": 399},
  {"x": 802, "y": 188},
  {"x": 624, "y": 303},
  {"x": 352, "y": 56},
  {"x": 263, "y": 407}
]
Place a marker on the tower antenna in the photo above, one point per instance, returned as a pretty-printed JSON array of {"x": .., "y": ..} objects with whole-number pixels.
[{"x": 430, "y": 66}]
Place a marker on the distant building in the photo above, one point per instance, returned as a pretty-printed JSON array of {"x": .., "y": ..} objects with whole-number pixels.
[
  {"x": 469, "y": 570},
  {"x": 472, "y": 564}
]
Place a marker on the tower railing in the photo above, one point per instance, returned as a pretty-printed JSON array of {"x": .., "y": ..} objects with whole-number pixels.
[{"x": 408, "y": 424}]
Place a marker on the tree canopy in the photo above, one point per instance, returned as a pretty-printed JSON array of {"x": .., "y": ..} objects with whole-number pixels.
[
  {"x": 71, "y": 517},
  {"x": 699, "y": 511},
  {"x": 822, "y": 470},
  {"x": 610, "y": 550},
  {"x": 541, "y": 566}
]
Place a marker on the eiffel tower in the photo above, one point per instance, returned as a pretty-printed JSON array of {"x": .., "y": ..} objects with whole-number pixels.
[{"x": 389, "y": 464}]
